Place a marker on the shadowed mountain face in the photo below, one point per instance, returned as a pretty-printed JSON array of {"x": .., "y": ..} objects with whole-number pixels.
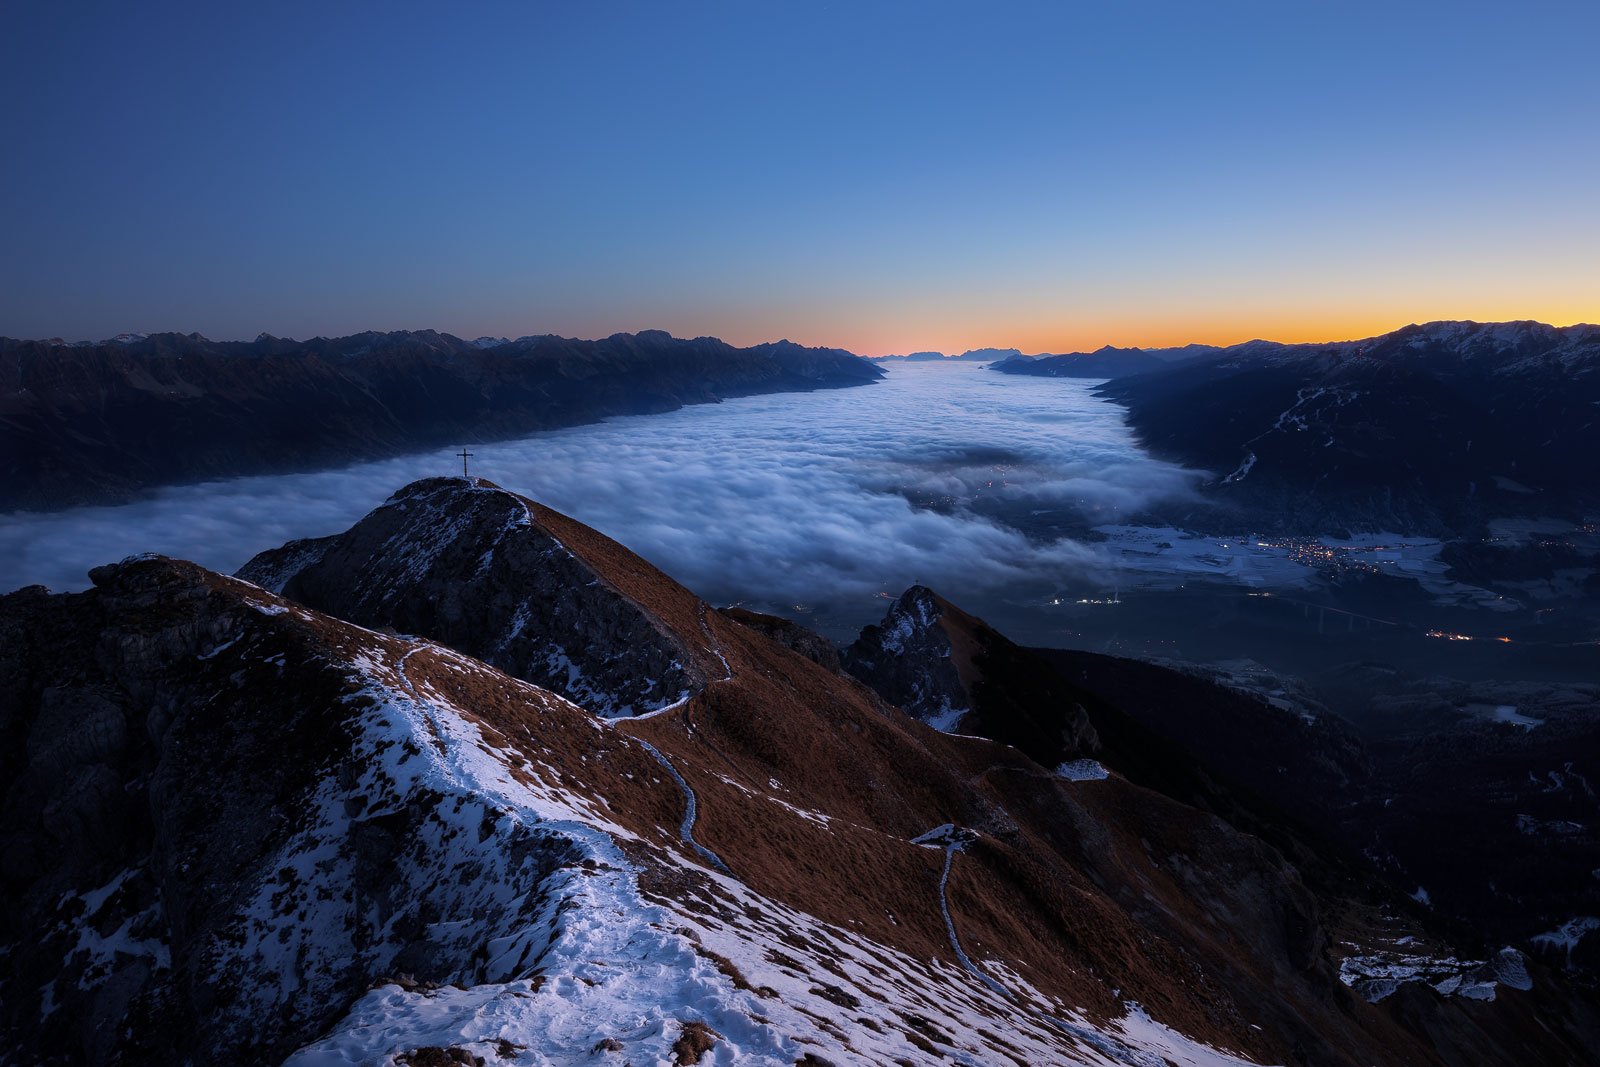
[
  {"x": 957, "y": 673},
  {"x": 1431, "y": 428},
  {"x": 237, "y": 828},
  {"x": 1483, "y": 814},
  {"x": 1268, "y": 773},
  {"x": 97, "y": 423}
]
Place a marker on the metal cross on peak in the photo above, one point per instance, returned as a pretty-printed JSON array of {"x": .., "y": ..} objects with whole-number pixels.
[{"x": 465, "y": 455}]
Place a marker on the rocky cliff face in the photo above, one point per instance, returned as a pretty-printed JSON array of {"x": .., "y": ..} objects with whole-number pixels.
[
  {"x": 911, "y": 659},
  {"x": 98, "y": 423},
  {"x": 239, "y": 829},
  {"x": 957, "y": 673},
  {"x": 483, "y": 570}
]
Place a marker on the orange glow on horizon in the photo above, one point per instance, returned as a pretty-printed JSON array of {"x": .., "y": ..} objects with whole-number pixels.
[{"x": 1161, "y": 332}]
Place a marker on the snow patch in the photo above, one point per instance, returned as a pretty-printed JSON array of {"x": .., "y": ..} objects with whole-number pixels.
[
  {"x": 1566, "y": 937},
  {"x": 1082, "y": 770}
]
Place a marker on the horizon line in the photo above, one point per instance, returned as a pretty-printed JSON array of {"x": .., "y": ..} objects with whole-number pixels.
[{"x": 261, "y": 335}]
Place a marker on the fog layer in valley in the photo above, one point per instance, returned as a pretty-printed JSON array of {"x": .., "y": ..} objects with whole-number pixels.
[{"x": 781, "y": 500}]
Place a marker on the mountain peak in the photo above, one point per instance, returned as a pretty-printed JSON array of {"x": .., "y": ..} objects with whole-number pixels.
[
  {"x": 654, "y": 336},
  {"x": 520, "y": 586},
  {"x": 918, "y": 657},
  {"x": 957, "y": 673}
]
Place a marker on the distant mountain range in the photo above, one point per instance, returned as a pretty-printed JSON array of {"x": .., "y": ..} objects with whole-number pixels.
[
  {"x": 1433, "y": 427},
  {"x": 976, "y": 355},
  {"x": 97, "y": 423},
  {"x": 1107, "y": 362}
]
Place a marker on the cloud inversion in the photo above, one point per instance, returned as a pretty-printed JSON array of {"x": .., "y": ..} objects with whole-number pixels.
[{"x": 825, "y": 498}]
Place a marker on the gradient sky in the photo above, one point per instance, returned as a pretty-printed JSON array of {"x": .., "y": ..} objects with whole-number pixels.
[{"x": 883, "y": 177}]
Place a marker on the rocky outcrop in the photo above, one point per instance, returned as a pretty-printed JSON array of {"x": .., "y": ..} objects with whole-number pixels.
[
  {"x": 471, "y": 565},
  {"x": 916, "y": 662},
  {"x": 98, "y": 423},
  {"x": 959, "y": 674},
  {"x": 791, "y": 635}
]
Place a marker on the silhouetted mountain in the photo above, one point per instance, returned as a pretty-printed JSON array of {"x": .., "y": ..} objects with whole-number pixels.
[
  {"x": 1430, "y": 428},
  {"x": 913, "y": 357},
  {"x": 1107, "y": 362},
  {"x": 956, "y": 673},
  {"x": 98, "y": 423},
  {"x": 977, "y": 355}
]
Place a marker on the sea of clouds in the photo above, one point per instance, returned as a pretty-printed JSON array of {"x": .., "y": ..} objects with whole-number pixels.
[{"x": 787, "y": 501}]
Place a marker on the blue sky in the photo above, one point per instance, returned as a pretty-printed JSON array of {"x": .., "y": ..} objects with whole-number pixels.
[{"x": 878, "y": 176}]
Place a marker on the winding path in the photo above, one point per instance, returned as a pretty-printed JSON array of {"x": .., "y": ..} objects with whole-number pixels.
[
  {"x": 690, "y": 810},
  {"x": 950, "y": 851},
  {"x": 955, "y": 841},
  {"x": 423, "y": 703}
]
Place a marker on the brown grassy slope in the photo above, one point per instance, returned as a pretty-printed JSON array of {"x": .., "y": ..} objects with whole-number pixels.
[{"x": 1080, "y": 887}]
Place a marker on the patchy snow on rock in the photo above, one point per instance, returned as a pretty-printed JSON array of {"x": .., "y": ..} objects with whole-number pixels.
[
  {"x": 1511, "y": 969},
  {"x": 1377, "y": 973},
  {"x": 947, "y": 718},
  {"x": 89, "y": 963},
  {"x": 1083, "y": 770},
  {"x": 565, "y": 947},
  {"x": 918, "y": 614},
  {"x": 1566, "y": 937}
]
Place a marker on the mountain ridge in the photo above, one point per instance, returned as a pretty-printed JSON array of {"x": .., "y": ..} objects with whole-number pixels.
[
  {"x": 1107, "y": 361},
  {"x": 781, "y": 867},
  {"x": 102, "y": 423},
  {"x": 1434, "y": 428}
]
